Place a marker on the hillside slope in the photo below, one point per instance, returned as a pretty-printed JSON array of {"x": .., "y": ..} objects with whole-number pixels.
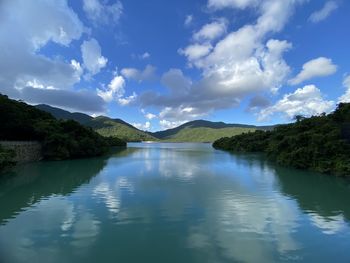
[
  {"x": 118, "y": 128},
  {"x": 320, "y": 143},
  {"x": 204, "y": 131},
  {"x": 103, "y": 125},
  {"x": 204, "y": 134}
]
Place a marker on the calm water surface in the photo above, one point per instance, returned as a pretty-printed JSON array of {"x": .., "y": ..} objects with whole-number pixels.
[{"x": 172, "y": 203}]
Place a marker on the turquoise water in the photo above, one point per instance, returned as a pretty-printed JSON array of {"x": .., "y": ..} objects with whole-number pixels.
[{"x": 172, "y": 203}]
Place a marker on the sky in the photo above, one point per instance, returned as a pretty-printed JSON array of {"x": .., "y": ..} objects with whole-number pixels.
[{"x": 157, "y": 64}]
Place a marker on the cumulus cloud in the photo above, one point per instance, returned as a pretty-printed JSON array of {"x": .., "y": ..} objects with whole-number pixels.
[
  {"x": 240, "y": 64},
  {"x": 325, "y": 12},
  {"x": 142, "y": 126},
  {"x": 196, "y": 51},
  {"x": 149, "y": 73},
  {"x": 180, "y": 113},
  {"x": 165, "y": 124},
  {"x": 92, "y": 58},
  {"x": 211, "y": 31},
  {"x": 306, "y": 101},
  {"x": 346, "y": 97},
  {"x": 101, "y": 13},
  {"x": 319, "y": 67},
  {"x": 27, "y": 74},
  {"x": 116, "y": 91},
  {"x": 148, "y": 115},
  {"x": 241, "y": 4}
]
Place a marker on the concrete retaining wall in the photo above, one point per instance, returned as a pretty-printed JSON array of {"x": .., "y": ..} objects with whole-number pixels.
[{"x": 26, "y": 151}]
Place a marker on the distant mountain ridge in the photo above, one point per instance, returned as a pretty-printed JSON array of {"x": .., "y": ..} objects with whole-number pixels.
[
  {"x": 171, "y": 133},
  {"x": 65, "y": 115},
  {"x": 103, "y": 125},
  {"x": 193, "y": 131}
]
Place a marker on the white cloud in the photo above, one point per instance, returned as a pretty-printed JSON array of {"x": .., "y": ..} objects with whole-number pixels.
[
  {"x": 142, "y": 126},
  {"x": 346, "y": 97},
  {"x": 180, "y": 113},
  {"x": 211, "y": 31},
  {"x": 92, "y": 58},
  {"x": 196, "y": 51},
  {"x": 319, "y": 67},
  {"x": 241, "y": 4},
  {"x": 306, "y": 101},
  {"x": 77, "y": 67},
  {"x": 26, "y": 73},
  {"x": 148, "y": 115},
  {"x": 145, "y": 55},
  {"x": 115, "y": 88},
  {"x": 165, "y": 124},
  {"x": 139, "y": 75},
  {"x": 127, "y": 100},
  {"x": 116, "y": 91},
  {"x": 241, "y": 64},
  {"x": 188, "y": 20},
  {"x": 102, "y": 14},
  {"x": 325, "y": 12}
]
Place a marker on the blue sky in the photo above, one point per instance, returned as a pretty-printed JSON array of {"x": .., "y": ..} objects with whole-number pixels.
[{"x": 157, "y": 64}]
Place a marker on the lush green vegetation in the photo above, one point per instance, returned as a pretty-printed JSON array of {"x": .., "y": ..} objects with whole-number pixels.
[
  {"x": 320, "y": 143},
  {"x": 105, "y": 126},
  {"x": 204, "y": 131},
  {"x": 117, "y": 128},
  {"x": 61, "y": 139},
  {"x": 204, "y": 134}
]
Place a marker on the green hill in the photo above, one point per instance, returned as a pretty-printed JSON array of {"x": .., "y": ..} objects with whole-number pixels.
[
  {"x": 193, "y": 131},
  {"x": 119, "y": 128},
  {"x": 103, "y": 125},
  {"x": 204, "y": 131},
  {"x": 320, "y": 143},
  {"x": 61, "y": 139}
]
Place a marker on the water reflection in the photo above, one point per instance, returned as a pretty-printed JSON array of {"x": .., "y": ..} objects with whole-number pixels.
[
  {"x": 174, "y": 203},
  {"x": 28, "y": 184}
]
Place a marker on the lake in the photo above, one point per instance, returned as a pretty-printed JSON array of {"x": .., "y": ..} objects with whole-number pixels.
[{"x": 167, "y": 202}]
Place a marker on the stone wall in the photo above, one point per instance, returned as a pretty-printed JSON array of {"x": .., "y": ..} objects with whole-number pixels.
[{"x": 26, "y": 151}]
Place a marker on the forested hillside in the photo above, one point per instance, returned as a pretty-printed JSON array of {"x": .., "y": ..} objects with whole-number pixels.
[
  {"x": 204, "y": 131},
  {"x": 105, "y": 126},
  {"x": 320, "y": 143},
  {"x": 60, "y": 139}
]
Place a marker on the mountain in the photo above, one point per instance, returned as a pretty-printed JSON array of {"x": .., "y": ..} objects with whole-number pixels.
[
  {"x": 119, "y": 128},
  {"x": 103, "y": 125},
  {"x": 65, "y": 115},
  {"x": 193, "y": 131},
  {"x": 205, "y": 131}
]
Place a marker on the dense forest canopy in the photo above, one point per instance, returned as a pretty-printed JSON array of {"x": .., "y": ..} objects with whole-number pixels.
[
  {"x": 320, "y": 143},
  {"x": 61, "y": 139}
]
